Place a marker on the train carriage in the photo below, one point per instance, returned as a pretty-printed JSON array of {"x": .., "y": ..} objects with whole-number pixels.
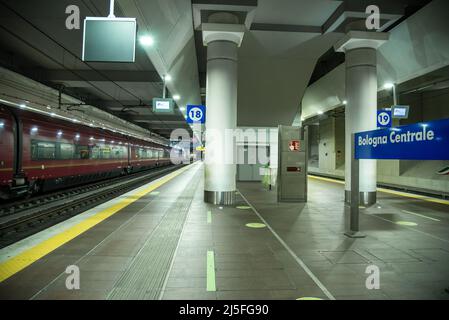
[{"x": 43, "y": 153}]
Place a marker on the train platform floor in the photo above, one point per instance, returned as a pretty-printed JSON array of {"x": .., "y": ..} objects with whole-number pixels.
[{"x": 161, "y": 241}]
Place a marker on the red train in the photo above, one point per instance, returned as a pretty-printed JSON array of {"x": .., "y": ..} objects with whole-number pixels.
[{"x": 41, "y": 153}]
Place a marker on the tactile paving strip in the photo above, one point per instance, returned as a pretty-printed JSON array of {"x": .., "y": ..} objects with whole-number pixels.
[{"x": 144, "y": 279}]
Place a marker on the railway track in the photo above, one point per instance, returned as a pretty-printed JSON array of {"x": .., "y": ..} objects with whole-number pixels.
[
  {"x": 17, "y": 206},
  {"x": 26, "y": 217}
]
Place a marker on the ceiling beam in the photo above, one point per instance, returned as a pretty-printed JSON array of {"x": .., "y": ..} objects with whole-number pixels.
[
  {"x": 285, "y": 28},
  {"x": 155, "y": 117},
  {"x": 167, "y": 122},
  {"x": 252, "y": 3},
  {"x": 161, "y": 127},
  {"x": 347, "y": 11},
  {"x": 99, "y": 75}
]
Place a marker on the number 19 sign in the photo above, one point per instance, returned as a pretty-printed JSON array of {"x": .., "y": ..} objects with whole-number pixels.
[
  {"x": 196, "y": 114},
  {"x": 383, "y": 119}
]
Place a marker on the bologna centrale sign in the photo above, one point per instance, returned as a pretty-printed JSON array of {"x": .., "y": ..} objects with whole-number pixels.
[{"x": 419, "y": 141}]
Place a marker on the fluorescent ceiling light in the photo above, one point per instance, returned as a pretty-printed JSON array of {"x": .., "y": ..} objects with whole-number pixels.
[
  {"x": 146, "y": 41},
  {"x": 388, "y": 85},
  {"x": 176, "y": 97}
]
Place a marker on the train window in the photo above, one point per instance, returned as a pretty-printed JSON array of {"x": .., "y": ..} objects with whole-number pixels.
[
  {"x": 149, "y": 153},
  {"x": 105, "y": 152},
  {"x": 82, "y": 152},
  {"x": 116, "y": 152},
  {"x": 108, "y": 152},
  {"x": 122, "y": 152},
  {"x": 66, "y": 151},
  {"x": 94, "y": 152},
  {"x": 142, "y": 153},
  {"x": 42, "y": 150}
]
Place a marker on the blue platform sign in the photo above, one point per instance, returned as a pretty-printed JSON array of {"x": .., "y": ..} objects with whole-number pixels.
[
  {"x": 196, "y": 114},
  {"x": 383, "y": 118},
  {"x": 420, "y": 141}
]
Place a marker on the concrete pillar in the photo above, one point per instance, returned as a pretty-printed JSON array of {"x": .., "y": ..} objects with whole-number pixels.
[
  {"x": 222, "y": 41},
  {"x": 361, "y": 108}
]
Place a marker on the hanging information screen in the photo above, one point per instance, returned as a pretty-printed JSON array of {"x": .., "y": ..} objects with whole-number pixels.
[
  {"x": 109, "y": 39},
  {"x": 420, "y": 141},
  {"x": 161, "y": 105}
]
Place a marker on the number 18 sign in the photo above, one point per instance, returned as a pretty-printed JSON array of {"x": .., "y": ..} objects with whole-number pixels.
[{"x": 196, "y": 114}]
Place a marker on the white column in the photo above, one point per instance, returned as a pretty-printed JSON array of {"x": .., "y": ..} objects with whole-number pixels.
[
  {"x": 361, "y": 108},
  {"x": 221, "y": 112}
]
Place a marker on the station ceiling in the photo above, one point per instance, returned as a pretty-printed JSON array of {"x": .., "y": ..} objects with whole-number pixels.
[
  {"x": 36, "y": 43},
  {"x": 279, "y": 54}
]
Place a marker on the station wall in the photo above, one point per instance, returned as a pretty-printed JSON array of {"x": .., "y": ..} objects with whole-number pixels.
[
  {"x": 417, "y": 47},
  {"x": 249, "y": 142},
  {"x": 407, "y": 174}
]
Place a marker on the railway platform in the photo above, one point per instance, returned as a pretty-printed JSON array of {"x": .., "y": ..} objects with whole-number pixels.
[{"x": 161, "y": 241}]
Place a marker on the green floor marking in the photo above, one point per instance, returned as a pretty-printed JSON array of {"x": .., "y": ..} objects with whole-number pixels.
[
  {"x": 406, "y": 223},
  {"x": 211, "y": 271},
  {"x": 309, "y": 298},
  {"x": 243, "y": 207},
  {"x": 209, "y": 217},
  {"x": 255, "y": 225}
]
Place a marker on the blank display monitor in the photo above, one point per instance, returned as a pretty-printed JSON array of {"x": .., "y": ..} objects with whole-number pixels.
[
  {"x": 109, "y": 39},
  {"x": 163, "y": 105},
  {"x": 400, "y": 112}
]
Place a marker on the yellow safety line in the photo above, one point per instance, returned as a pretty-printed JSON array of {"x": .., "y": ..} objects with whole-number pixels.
[
  {"x": 326, "y": 179},
  {"x": 15, "y": 264},
  {"x": 414, "y": 196},
  {"x": 397, "y": 193}
]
